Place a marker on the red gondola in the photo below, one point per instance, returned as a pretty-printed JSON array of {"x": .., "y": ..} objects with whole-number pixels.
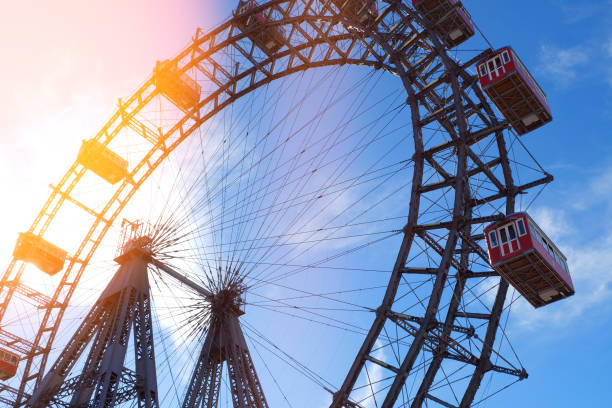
[
  {"x": 9, "y": 362},
  {"x": 521, "y": 253},
  {"x": 449, "y": 18},
  {"x": 513, "y": 90},
  {"x": 363, "y": 11},
  {"x": 268, "y": 37}
]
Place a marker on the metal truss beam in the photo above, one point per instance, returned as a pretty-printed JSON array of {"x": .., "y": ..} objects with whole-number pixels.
[
  {"x": 123, "y": 307},
  {"x": 439, "y": 401},
  {"x": 182, "y": 278},
  {"x": 316, "y": 37},
  {"x": 224, "y": 343},
  {"x": 468, "y": 331}
]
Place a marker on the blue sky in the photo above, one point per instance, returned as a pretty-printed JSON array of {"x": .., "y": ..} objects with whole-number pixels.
[{"x": 567, "y": 45}]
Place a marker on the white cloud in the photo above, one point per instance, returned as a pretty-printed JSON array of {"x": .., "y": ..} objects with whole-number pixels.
[
  {"x": 553, "y": 221},
  {"x": 594, "y": 192},
  {"x": 575, "y": 13},
  {"x": 580, "y": 230},
  {"x": 601, "y": 186},
  {"x": 608, "y": 47},
  {"x": 590, "y": 270},
  {"x": 562, "y": 64},
  {"x": 376, "y": 375},
  {"x": 609, "y": 77}
]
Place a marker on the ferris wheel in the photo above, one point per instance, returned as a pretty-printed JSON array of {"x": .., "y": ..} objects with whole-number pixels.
[{"x": 291, "y": 212}]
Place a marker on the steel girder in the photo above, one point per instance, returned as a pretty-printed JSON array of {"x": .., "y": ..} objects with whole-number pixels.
[
  {"x": 317, "y": 36},
  {"x": 123, "y": 307},
  {"x": 203, "y": 390},
  {"x": 224, "y": 343}
]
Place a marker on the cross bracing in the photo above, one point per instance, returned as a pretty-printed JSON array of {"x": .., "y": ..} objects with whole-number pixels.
[{"x": 464, "y": 160}]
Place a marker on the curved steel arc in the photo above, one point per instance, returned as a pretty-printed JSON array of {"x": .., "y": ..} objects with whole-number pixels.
[
  {"x": 484, "y": 359},
  {"x": 460, "y": 214},
  {"x": 500, "y": 297},
  {"x": 462, "y": 211},
  {"x": 342, "y": 395},
  {"x": 125, "y": 191},
  {"x": 320, "y": 41},
  {"x": 444, "y": 266},
  {"x": 121, "y": 202}
]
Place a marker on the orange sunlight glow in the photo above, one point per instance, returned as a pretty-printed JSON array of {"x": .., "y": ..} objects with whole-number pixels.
[{"x": 65, "y": 64}]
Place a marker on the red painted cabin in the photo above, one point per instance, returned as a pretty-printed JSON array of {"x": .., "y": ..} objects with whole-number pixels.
[
  {"x": 363, "y": 11},
  {"x": 9, "y": 362},
  {"x": 521, "y": 253},
  {"x": 267, "y": 37},
  {"x": 513, "y": 90},
  {"x": 449, "y": 18}
]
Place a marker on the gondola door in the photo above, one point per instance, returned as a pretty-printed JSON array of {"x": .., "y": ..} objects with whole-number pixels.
[{"x": 509, "y": 242}]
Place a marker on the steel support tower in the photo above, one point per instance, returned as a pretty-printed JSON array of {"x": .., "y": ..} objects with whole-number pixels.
[
  {"x": 225, "y": 343},
  {"x": 104, "y": 381}
]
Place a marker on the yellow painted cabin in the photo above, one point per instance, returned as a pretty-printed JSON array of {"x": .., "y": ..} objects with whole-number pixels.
[
  {"x": 107, "y": 164},
  {"x": 179, "y": 88},
  {"x": 44, "y": 255}
]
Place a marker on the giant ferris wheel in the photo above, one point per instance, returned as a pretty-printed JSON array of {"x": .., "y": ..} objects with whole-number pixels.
[{"x": 290, "y": 212}]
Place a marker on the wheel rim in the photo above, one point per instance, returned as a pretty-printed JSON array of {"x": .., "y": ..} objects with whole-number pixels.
[{"x": 375, "y": 50}]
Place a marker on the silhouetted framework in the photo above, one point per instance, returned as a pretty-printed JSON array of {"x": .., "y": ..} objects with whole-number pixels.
[
  {"x": 441, "y": 93},
  {"x": 104, "y": 381},
  {"x": 225, "y": 343}
]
